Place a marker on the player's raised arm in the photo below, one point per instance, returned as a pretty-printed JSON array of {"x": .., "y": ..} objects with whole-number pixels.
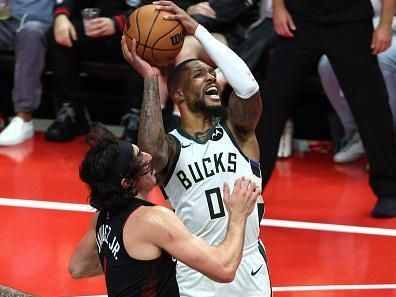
[
  {"x": 151, "y": 138},
  {"x": 245, "y": 103},
  {"x": 244, "y": 106}
]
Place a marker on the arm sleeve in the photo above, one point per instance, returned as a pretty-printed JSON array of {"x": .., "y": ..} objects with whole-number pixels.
[{"x": 234, "y": 69}]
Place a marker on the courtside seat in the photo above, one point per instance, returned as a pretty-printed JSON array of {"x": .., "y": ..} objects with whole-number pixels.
[
  {"x": 88, "y": 68},
  {"x": 104, "y": 89}
]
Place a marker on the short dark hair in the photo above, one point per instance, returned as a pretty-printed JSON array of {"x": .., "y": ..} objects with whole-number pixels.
[
  {"x": 96, "y": 170},
  {"x": 174, "y": 76}
]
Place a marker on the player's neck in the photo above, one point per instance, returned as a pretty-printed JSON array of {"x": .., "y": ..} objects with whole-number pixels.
[
  {"x": 198, "y": 128},
  {"x": 142, "y": 195}
]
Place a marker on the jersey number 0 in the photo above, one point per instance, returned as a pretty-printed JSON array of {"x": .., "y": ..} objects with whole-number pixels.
[{"x": 215, "y": 203}]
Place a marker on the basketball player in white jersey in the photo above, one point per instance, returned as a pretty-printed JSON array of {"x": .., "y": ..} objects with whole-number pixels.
[{"x": 210, "y": 147}]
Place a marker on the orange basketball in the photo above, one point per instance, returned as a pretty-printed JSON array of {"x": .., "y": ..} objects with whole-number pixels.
[{"x": 158, "y": 41}]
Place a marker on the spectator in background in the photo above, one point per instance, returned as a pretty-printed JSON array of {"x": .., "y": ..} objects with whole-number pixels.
[
  {"x": 259, "y": 39},
  {"x": 69, "y": 44},
  {"x": 255, "y": 51},
  {"x": 353, "y": 148},
  {"x": 227, "y": 20},
  {"x": 343, "y": 31},
  {"x": 24, "y": 32}
]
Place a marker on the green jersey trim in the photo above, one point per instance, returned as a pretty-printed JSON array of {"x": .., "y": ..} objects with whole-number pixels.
[
  {"x": 262, "y": 251},
  {"x": 260, "y": 211},
  {"x": 264, "y": 254},
  {"x": 229, "y": 133},
  {"x": 190, "y": 137},
  {"x": 173, "y": 165}
]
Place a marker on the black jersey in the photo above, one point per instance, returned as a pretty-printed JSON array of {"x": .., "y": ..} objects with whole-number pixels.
[{"x": 126, "y": 276}]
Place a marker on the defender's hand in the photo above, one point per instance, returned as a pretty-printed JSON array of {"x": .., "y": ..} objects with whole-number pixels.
[{"x": 240, "y": 203}]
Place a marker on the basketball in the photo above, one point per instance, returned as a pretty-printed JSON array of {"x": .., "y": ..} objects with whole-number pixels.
[{"x": 158, "y": 41}]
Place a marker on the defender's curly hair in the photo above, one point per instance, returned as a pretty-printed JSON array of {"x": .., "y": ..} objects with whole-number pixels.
[{"x": 96, "y": 167}]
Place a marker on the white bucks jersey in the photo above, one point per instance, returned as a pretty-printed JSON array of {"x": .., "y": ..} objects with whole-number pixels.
[{"x": 195, "y": 189}]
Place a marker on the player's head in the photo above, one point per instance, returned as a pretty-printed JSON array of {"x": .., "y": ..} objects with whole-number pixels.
[
  {"x": 194, "y": 84},
  {"x": 114, "y": 170}
]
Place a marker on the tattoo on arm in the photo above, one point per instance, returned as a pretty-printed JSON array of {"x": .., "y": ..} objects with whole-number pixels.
[
  {"x": 244, "y": 114},
  {"x": 151, "y": 137}
]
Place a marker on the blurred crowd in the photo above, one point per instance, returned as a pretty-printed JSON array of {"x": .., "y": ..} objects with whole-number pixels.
[
  {"x": 279, "y": 40},
  {"x": 65, "y": 33}
]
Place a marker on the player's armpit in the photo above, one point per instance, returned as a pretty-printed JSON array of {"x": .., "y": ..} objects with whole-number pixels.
[{"x": 165, "y": 173}]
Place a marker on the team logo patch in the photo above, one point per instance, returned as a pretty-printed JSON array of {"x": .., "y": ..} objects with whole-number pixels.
[{"x": 217, "y": 134}]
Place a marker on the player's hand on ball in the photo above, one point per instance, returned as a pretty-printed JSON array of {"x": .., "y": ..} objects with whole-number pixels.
[
  {"x": 188, "y": 23},
  {"x": 140, "y": 65}
]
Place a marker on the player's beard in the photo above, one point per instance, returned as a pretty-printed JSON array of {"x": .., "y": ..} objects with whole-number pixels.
[{"x": 209, "y": 111}]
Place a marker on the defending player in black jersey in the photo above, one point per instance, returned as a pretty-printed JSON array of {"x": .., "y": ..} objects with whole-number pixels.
[{"x": 132, "y": 241}]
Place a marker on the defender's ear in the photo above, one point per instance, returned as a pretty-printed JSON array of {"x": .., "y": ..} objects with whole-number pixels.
[
  {"x": 178, "y": 96},
  {"x": 125, "y": 183}
]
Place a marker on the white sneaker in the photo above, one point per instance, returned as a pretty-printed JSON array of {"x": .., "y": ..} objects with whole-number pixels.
[
  {"x": 16, "y": 132},
  {"x": 352, "y": 151}
]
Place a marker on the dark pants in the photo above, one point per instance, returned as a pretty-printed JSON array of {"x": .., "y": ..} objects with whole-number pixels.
[
  {"x": 66, "y": 63},
  {"x": 348, "y": 49},
  {"x": 260, "y": 39}
]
